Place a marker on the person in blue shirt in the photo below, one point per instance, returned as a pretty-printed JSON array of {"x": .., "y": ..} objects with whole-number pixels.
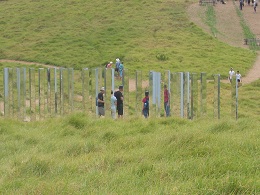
[{"x": 121, "y": 70}]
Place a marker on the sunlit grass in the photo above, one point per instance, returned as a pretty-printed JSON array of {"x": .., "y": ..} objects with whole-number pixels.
[{"x": 89, "y": 34}]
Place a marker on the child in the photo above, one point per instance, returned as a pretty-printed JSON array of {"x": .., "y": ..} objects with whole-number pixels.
[{"x": 146, "y": 104}]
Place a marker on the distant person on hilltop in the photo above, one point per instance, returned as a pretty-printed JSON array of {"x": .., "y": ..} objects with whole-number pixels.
[
  {"x": 241, "y": 4},
  {"x": 109, "y": 65},
  {"x": 255, "y": 4},
  {"x": 231, "y": 73},
  {"x": 121, "y": 70},
  {"x": 238, "y": 77},
  {"x": 117, "y": 66}
]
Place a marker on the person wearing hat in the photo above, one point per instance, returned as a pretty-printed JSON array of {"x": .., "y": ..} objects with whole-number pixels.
[
  {"x": 117, "y": 66},
  {"x": 231, "y": 73},
  {"x": 120, "y": 98},
  {"x": 109, "y": 65},
  {"x": 101, "y": 102}
]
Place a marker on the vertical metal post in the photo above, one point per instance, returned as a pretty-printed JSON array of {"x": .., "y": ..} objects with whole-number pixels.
[
  {"x": 6, "y": 92},
  {"x": 18, "y": 85},
  {"x": 139, "y": 94},
  {"x": 188, "y": 94},
  {"x": 126, "y": 91},
  {"x": 236, "y": 99},
  {"x": 32, "y": 94},
  {"x": 203, "y": 94},
  {"x": 181, "y": 95}
]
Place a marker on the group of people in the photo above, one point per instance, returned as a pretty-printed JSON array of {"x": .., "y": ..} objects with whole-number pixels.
[
  {"x": 232, "y": 74},
  {"x": 117, "y": 98},
  {"x": 116, "y": 102},
  {"x": 254, "y": 3},
  {"x": 145, "y": 101},
  {"x": 119, "y": 68}
]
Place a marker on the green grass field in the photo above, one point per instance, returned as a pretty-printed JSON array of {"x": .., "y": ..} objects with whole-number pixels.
[{"x": 79, "y": 154}]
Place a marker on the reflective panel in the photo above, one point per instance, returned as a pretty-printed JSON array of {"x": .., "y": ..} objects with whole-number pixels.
[
  {"x": 108, "y": 88},
  {"x": 139, "y": 94},
  {"x": 203, "y": 94},
  {"x": 194, "y": 95},
  {"x": 216, "y": 100},
  {"x": 167, "y": 82},
  {"x": 41, "y": 93},
  {"x": 126, "y": 92},
  {"x": 86, "y": 100},
  {"x": 32, "y": 94}
]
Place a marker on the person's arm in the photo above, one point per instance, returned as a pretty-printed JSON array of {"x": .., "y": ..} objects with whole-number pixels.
[{"x": 99, "y": 99}]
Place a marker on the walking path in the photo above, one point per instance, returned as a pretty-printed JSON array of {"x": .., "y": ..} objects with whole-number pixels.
[{"x": 229, "y": 28}]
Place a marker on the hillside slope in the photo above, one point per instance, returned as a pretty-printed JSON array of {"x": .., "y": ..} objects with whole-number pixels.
[{"x": 229, "y": 29}]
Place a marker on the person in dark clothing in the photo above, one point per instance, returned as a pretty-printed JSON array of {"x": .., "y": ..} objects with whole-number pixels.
[
  {"x": 146, "y": 104},
  {"x": 120, "y": 98},
  {"x": 241, "y": 4},
  {"x": 101, "y": 102}
]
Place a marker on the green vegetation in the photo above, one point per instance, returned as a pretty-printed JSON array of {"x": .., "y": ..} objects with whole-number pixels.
[
  {"x": 211, "y": 19},
  {"x": 80, "y": 154},
  {"x": 144, "y": 34},
  {"x": 247, "y": 32}
]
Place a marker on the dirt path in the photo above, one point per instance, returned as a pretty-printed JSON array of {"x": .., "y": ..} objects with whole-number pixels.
[{"x": 229, "y": 28}]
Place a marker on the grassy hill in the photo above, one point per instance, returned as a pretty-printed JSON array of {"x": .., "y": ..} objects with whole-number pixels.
[
  {"x": 79, "y": 154},
  {"x": 145, "y": 34}
]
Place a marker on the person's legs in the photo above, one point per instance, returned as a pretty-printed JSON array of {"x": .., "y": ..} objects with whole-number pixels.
[
  {"x": 145, "y": 112},
  {"x": 113, "y": 113},
  {"x": 101, "y": 111},
  {"x": 120, "y": 110},
  {"x": 167, "y": 110}
]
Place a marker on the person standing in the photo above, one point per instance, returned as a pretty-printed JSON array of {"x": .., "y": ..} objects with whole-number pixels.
[
  {"x": 120, "y": 98},
  {"x": 121, "y": 70},
  {"x": 117, "y": 66},
  {"x": 146, "y": 104},
  {"x": 166, "y": 101},
  {"x": 255, "y": 5},
  {"x": 113, "y": 104},
  {"x": 241, "y": 4},
  {"x": 238, "y": 77},
  {"x": 230, "y": 74},
  {"x": 101, "y": 102},
  {"x": 109, "y": 65}
]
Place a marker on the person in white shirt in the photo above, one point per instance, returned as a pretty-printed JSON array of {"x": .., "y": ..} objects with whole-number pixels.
[
  {"x": 255, "y": 4},
  {"x": 113, "y": 102},
  {"x": 231, "y": 73},
  {"x": 238, "y": 77}
]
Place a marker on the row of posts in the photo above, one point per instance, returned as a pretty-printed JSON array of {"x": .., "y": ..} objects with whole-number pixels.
[{"x": 34, "y": 94}]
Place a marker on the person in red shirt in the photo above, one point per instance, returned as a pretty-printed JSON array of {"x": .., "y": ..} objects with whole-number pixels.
[
  {"x": 146, "y": 104},
  {"x": 166, "y": 101}
]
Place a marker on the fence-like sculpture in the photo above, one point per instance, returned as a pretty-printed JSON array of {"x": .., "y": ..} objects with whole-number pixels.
[{"x": 34, "y": 94}]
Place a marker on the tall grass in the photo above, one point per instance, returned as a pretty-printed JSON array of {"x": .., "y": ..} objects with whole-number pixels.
[{"x": 80, "y": 155}]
